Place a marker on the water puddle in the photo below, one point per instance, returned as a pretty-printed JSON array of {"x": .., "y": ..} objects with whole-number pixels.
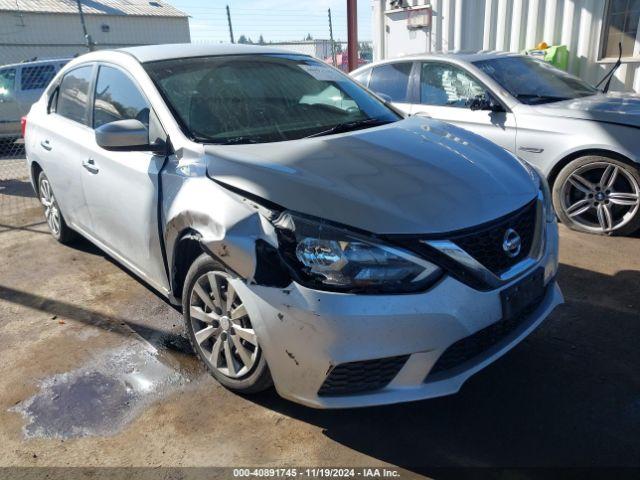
[{"x": 102, "y": 397}]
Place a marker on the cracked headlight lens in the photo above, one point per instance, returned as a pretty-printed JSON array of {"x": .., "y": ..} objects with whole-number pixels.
[{"x": 327, "y": 257}]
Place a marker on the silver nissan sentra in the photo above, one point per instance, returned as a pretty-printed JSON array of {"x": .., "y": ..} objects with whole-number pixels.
[{"x": 315, "y": 239}]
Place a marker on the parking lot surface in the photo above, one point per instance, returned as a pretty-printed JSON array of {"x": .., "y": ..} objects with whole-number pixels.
[{"x": 95, "y": 371}]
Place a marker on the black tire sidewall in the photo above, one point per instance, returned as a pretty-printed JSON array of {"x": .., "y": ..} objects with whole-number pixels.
[
  {"x": 259, "y": 379},
  {"x": 571, "y": 167}
]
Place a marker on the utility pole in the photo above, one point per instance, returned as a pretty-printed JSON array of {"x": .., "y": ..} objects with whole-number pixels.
[
  {"x": 352, "y": 35},
  {"x": 230, "y": 26},
  {"x": 333, "y": 45},
  {"x": 87, "y": 37}
]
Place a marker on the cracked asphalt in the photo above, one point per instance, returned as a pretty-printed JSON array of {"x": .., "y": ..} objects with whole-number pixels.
[{"x": 95, "y": 371}]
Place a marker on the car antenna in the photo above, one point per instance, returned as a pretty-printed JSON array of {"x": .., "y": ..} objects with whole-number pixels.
[{"x": 609, "y": 75}]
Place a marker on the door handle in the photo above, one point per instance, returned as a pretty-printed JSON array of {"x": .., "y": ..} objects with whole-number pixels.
[
  {"x": 90, "y": 165},
  {"x": 45, "y": 144}
]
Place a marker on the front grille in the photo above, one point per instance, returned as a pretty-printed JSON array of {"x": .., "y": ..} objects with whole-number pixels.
[
  {"x": 485, "y": 244},
  {"x": 364, "y": 376},
  {"x": 474, "y": 345}
]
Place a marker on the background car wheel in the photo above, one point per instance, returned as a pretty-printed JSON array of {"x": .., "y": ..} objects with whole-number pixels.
[
  {"x": 55, "y": 220},
  {"x": 220, "y": 328},
  {"x": 598, "y": 195}
]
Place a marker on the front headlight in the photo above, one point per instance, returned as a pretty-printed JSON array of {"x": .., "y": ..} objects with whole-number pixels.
[{"x": 328, "y": 257}]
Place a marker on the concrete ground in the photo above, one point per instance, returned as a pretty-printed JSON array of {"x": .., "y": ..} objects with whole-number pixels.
[{"x": 94, "y": 372}]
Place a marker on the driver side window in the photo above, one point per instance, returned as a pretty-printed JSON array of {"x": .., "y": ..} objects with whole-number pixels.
[
  {"x": 117, "y": 98},
  {"x": 445, "y": 85}
]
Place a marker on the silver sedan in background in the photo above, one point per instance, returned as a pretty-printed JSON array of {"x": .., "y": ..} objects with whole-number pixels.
[
  {"x": 586, "y": 143},
  {"x": 313, "y": 237}
]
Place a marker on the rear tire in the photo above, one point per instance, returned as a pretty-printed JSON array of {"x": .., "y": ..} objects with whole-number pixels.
[
  {"x": 220, "y": 329},
  {"x": 600, "y": 195},
  {"x": 52, "y": 213}
]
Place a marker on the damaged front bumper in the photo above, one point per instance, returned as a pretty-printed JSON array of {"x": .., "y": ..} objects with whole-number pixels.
[{"x": 388, "y": 344}]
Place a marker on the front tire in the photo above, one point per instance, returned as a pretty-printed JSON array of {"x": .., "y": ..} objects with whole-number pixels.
[
  {"x": 220, "y": 329},
  {"x": 55, "y": 220},
  {"x": 600, "y": 195}
]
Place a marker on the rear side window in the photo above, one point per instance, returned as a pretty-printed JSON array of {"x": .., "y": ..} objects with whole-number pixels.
[
  {"x": 447, "y": 86},
  {"x": 117, "y": 98},
  {"x": 7, "y": 82},
  {"x": 36, "y": 77},
  {"x": 73, "y": 95},
  {"x": 392, "y": 80}
]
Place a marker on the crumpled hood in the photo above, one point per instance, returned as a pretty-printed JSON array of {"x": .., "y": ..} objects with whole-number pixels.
[
  {"x": 616, "y": 107},
  {"x": 415, "y": 176}
]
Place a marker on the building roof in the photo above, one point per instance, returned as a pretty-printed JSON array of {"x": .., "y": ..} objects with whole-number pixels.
[
  {"x": 154, "y": 8},
  {"x": 33, "y": 63},
  {"x": 152, "y": 53}
]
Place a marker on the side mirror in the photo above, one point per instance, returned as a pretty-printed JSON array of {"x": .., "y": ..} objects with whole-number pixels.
[
  {"x": 125, "y": 135},
  {"x": 485, "y": 101}
]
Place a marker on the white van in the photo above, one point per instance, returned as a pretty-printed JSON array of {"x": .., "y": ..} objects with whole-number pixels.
[{"x": 21, "y": 85}]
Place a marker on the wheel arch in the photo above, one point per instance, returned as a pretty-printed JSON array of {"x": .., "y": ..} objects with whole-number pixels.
[
  {"x": 557, "y": 168},
  {"x": 186, "y": 249},
  {"x": 190, "y": 244},
  {"x": 34, "y": 170}
]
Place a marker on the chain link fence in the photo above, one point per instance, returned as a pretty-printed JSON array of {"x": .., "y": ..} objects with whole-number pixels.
[{"x": 18, "y": 203}]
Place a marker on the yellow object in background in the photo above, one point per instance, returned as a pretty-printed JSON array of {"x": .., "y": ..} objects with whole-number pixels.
[{"x": 556, "y": 55}]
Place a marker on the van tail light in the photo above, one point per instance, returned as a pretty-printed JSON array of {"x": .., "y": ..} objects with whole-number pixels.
[{"x": 23, "y": 125}]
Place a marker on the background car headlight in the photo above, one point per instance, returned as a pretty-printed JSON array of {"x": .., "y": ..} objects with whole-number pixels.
[{"x": 327, "y": 257}]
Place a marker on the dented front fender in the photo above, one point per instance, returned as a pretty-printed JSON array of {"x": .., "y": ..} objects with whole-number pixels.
[{"x": 226, "y": 224}]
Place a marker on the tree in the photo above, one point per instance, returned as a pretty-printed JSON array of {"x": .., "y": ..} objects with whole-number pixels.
[
  {"x": 308, "y": 37},
  {"x": 365, "y": 51},
  {"x": 365, "y": 47},
  {"x": 261, "y": 40},
  {"x": 244, "y": 39}
]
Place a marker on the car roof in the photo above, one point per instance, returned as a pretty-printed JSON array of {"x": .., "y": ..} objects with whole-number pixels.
[
  {"x": 152, "y": 53},
  {"x": 44, "y": 61},
  {"x": 462, "y": 56}
]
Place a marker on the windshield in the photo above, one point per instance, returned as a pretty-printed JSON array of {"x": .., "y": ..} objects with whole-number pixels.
[
  {"x": 263, "y": 98},
  {"x": 533, "y": 81}
]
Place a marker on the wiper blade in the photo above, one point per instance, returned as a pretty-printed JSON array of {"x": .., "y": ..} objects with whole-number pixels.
[
  {"x": 349, "y": 126},
  {"x": 238, "y": 140},
  {"x": 541, "y": 97}
]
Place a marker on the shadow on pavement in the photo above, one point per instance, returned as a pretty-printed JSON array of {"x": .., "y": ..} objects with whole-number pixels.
[
  {"x": 16, "y": 188},
  {"x": 157, "y": 337}
]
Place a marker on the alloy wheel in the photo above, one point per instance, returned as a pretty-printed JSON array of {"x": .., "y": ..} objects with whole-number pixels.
[
  {"x": 600, "y": 197},
  {"x": 51, "y": 210},
  {"x": 221, "y": 326}
]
